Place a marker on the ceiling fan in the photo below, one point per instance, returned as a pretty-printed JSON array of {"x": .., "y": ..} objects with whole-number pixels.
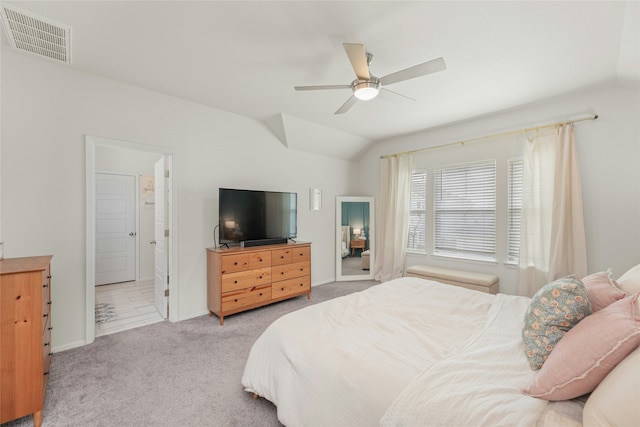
[{"x": 366, "y": 86}]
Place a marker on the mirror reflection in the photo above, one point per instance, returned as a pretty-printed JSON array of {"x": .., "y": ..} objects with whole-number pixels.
[{"x": 354, "y": 219}]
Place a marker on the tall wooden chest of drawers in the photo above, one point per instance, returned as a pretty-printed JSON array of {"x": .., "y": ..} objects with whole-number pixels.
[
  {"x": 240, "y": 279},
  {"x": 25, "y": 336}
]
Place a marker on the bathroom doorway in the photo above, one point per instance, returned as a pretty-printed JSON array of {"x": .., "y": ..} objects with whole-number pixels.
[{"x": 113, "y": 306}]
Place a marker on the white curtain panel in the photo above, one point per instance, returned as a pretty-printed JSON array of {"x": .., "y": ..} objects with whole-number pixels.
[
  {"x": 395, "y": 188},
  {"x": 552, "y": 236}
]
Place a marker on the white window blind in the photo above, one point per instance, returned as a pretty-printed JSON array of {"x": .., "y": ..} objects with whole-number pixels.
[
  {"x": 465, "y": 211},
  {"x": 515, "y": 173},
  {"x": 417, "y": 234}
]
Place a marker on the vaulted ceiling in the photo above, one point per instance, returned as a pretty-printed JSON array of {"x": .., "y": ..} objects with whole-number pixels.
[{"x": 246, "y": 56}]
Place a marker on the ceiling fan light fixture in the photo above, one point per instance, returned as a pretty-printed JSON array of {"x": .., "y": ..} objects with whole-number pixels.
[{"x": 365, "y": 90}]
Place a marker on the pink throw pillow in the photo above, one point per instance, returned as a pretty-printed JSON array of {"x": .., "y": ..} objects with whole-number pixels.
[
  {"x": 602, "y": 290},
  {"x": 589, "y": 351}
]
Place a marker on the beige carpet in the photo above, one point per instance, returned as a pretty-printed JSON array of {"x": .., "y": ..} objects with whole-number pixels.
[{"x": 169, "y": 374}]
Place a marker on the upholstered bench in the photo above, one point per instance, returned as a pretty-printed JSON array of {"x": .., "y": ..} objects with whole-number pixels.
[
  {"x": 488, "y": 283},
  {"x": 366, "y": 261}
]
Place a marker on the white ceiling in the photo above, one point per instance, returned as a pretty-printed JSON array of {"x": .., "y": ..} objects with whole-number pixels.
[{"x": 246, "y": 56}]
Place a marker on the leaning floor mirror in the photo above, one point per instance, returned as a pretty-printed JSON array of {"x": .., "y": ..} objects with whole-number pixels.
[{"x": 355, "y": 237}]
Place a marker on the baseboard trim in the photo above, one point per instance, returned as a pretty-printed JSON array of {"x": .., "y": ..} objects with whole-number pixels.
[{"x": 68, "y": 346}]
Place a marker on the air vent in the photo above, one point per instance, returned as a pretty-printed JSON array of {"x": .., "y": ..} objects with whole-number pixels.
[{"x": 37, "y": 35}]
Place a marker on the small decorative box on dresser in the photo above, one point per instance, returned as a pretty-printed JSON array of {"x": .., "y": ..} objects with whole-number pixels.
[
  {"x": 25, "y": 336},
  {"x": 240, "y": 279}
]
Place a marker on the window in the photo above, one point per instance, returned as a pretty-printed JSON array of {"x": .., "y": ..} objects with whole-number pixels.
[
  {"x": 417, "y": 235},
  {"x": 515, "y": 173},
  {"x": 465, "y": 211}
]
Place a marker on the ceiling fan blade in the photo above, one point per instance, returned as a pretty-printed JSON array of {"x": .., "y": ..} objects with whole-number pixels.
[
  {"x": 345, "y": 107},
  {"x": 322, "y": 87},
  {"x": 429, "y": 67},
  {"x": 358, "y": 58},
  {"x": 399, "y": 94}
]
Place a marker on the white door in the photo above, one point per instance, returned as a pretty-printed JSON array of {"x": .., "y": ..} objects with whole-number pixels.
[
  {"x": 162, "y": 199},
  {"x": 115, "y": 228}
]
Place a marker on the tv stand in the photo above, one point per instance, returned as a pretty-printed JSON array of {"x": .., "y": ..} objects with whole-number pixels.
[{"x": 239, "y": 279}]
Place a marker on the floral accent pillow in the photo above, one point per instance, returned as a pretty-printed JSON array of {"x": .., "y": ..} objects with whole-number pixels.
[
  {"x": 588, "y": 352},
  {"x": 554, "y": 310}
]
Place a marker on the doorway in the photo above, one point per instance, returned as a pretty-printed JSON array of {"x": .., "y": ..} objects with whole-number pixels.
[{"x": 111, "y": 165}]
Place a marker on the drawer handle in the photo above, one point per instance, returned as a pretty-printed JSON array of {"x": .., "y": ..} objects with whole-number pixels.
[
  {"x": 50, "y": 328},
  {"x": 45, "y": 315},
  {"x": 46, "y": 344},
  {"x": 46, "y": 285},
  {"x": 50, "y": 354},
  {"x": 260, "y": 277},
  {"x": 281, "y": 256},
  {"x": 46, "y": 373},
  {"x": 260, "y": 293},
  {"x": 282, "y": 272},
  {"x": 302, "y": 269},
  {"x": 235, "y": 281},
  {"x": 49, "y": 277},
  {"x": 235, "y": 263},
  {"x": 235, "y": 300},
  {"x": 282, "y": 289},
  {"x": 301, "y": 284},
  {"x": 49, "y": 303}
]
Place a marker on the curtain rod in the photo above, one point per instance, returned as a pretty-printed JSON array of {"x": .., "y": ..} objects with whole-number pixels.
[{"x": 593, "y": 117}]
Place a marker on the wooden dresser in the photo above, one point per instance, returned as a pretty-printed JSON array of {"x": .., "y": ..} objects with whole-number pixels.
[
  {"x": 25, "y": 336},
  {"x": 240, "y": 279}
]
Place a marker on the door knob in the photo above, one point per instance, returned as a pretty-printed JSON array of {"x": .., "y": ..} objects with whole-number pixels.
[
  {"x": 153, "y": 242},
  {"x": 133, "y": 233}
]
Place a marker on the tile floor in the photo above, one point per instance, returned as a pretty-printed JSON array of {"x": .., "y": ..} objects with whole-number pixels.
[{"x": 133, "y": 303}]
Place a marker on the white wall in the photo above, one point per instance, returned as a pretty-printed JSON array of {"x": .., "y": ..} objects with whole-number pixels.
[
  {"x": 609, "y": 155},
  {"x": 47, "y": 109}
]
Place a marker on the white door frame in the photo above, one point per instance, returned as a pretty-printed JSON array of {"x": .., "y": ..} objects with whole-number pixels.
[{"x": 90, "y": 169}]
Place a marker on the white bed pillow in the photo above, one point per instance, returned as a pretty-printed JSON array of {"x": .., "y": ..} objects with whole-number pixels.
[
  {"x": 615, "y": 401},
  {"x": 629, "y": 282}
]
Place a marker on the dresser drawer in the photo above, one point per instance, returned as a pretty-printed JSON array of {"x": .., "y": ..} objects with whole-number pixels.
[
  {"x": 46, "y": 313},
  {"x": 246, "y": 279},
  {"x": 301, "y": 254},
  {"x": 234, "y": 263},
  {"x": 289, "y": 271},
  {"x": 245, "y": 297},
  {"x": 46, "y": 349},
  {"x": 290, "y": 287},
  {"x": 281, "y": 256},
  {"x": 46, "y": 298},
  {"x": 259, "y": 259}
]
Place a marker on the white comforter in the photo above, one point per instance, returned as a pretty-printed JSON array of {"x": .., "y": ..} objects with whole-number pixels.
[{"x": 406, "y": 352}]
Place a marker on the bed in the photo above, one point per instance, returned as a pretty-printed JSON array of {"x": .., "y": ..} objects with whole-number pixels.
[
  {"x": 345, "y": 246},
  {"x": 406, "y": 352}
]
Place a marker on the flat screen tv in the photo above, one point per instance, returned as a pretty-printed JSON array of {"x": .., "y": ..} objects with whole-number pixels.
[{"x": 248, "y": 215}]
